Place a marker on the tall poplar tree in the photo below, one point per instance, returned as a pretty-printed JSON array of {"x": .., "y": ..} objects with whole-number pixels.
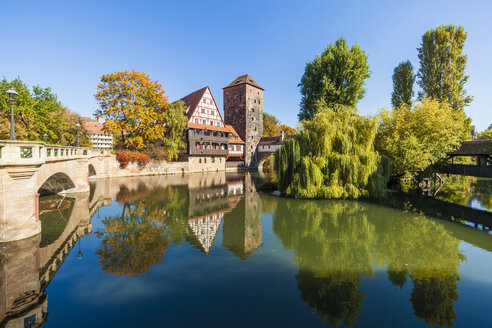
[
  {"x": 403, "y": 80},
  {"x": 336, "y": 77},
  {"x": 442, "y": 66}
]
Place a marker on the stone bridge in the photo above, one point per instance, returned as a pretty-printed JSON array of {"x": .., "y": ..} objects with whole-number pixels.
[{"x": 28, "y": 168}]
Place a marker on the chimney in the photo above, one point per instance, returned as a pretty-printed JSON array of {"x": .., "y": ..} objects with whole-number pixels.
[
  {"x": 282, "y": 136},
  {"x": 100, "y": 119}
]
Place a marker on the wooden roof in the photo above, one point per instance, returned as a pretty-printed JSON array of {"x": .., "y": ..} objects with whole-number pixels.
[
  {"x": 243, "y": 79},
  {"x": 473, "y": 148}
]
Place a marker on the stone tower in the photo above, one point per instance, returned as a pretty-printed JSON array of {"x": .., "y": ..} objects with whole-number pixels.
[{"x": 243, "y": 109}]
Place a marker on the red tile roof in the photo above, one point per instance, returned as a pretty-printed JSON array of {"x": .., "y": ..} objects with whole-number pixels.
[
  {"x": 192, "y": 100},
  {"x": 92, "y": 126},
  {"x": 208, "y": 127},
  {"x": 233, "y": 136}
]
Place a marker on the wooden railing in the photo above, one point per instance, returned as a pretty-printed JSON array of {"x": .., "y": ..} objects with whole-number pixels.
[{"x": 481, "y": 171}]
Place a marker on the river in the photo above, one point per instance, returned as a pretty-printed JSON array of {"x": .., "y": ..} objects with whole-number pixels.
[{"x": 209, "y": 250}]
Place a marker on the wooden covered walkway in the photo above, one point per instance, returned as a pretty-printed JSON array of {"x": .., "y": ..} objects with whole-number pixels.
[{"x": 481, "y": 150}]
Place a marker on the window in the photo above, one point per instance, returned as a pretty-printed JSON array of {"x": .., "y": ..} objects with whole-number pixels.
[
  {"x": 227, "y": 93},
  {"x": 203, "y": 110},
  {"x": 205, "y": 160},
  {"x": 241, "y": 90},
  {"x": 255, "y": 101},
  {"x": 213, "y": 160},
  {"x": 196, "y": 120},
  {"x": 252, "y": 109},
  {"x": 233, "y": 92},
  {"x": 259, "y": 102},
  {"x": 200, "y": 160},
  {"x": 197, "y": 145}
]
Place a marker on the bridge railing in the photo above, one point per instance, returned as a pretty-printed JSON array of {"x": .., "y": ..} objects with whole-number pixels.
[{"x": 14, "y": 152}]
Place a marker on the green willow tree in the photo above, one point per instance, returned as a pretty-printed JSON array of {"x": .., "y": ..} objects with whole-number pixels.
[
  {"x": 403, "y": 80},
  {"x": 336, "y": 77},
  {"x": 176, "y": 123},
  {"x": 333, "y": 156},
  {"x": 442, "y": 66}
]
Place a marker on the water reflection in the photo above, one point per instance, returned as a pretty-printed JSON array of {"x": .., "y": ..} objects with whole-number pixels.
[
  {"x": 29, "y": 265},
  {"x": 335, "y": 245},
  {"x": 467, "y": 191}
]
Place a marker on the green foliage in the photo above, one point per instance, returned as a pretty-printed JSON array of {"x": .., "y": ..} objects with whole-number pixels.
[
  {"x": 414, "y": 138},
  {"x": 442, "y": 66},
  {"x": 38, "y": 112},
  {"x": 486, "y": 135},
  {"x": 176, "y": 122},
  {"x": 287, "y": 160},
  {"x": 335, "y": 243},
  {"x": 332, "y": 157},
  {"x": 337, "y": 76},
  {"x": 403, "y": 80}
]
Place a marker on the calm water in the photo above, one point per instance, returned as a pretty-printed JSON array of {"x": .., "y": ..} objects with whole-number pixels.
[{"x": 208, "y": 250}]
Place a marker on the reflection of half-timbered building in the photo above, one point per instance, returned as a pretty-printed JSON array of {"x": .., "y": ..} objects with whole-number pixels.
[{"x": 207, "y": 207}]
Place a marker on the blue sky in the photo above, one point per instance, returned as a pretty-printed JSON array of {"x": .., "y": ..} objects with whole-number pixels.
[{"x": 185, "y": 45}]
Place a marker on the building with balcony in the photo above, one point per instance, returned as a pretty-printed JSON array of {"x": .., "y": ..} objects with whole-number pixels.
[
  {"x": 97, "y": 136},
  {"x": 206, "y": 136}
]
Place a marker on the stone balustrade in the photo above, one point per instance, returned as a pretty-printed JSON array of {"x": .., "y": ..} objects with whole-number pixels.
[{"x": 14, "y": 152}]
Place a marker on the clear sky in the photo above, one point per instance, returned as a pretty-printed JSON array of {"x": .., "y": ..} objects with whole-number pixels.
[{"x": 185, "y": 45}]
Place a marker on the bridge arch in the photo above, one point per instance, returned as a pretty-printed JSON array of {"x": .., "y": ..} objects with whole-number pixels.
[
  {"x": 263, "y": 160},
  {"x": 55, "y": 183}
]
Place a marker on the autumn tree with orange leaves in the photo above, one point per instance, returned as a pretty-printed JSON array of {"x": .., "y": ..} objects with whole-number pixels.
[
  {"x": 273, "y": 128},
  {"x": 137, "y": 111}
]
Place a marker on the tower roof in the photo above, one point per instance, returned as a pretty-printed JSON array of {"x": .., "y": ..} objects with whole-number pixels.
[{"x": 243, "y": 79}]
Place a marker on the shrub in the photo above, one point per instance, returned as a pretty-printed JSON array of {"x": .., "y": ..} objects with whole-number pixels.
[{"x": 125, "y": 156}]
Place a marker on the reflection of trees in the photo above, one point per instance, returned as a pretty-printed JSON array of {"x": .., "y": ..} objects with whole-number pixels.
[
  {"x": 433, "y": 299},
  {"x": 456, "y": 189},
  {"x": 268, "y": 204},
  {"x": 337, "y": 242},
  {"x": 429, "y": 254},
  {"x": 54, "y": 215},
  {"x": 334, "y": 300},
  {"x": 137, "y": 239},
  {"x": 483, "y": 191},
  {"x": 332, "y": 242}
]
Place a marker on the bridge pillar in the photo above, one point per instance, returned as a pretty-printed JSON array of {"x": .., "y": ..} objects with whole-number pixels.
[
  {"x": 18, "y": 202},
  {"x": 81, "y": 175}
]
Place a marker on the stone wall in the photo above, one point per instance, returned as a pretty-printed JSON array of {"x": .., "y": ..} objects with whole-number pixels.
[{"x": 194, "y": 164}]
